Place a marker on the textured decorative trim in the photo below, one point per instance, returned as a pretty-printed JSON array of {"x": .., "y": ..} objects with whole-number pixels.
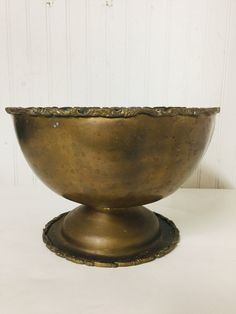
[
  {"x": 80, "y": 260},
  {"x": 111, "y": 112}
]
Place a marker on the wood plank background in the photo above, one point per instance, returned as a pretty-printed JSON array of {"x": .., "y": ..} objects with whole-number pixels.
[{"x": 120, "y": 52}]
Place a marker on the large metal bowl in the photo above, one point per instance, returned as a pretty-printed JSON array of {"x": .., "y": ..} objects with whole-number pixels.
[{"x": 113, "y": 160}]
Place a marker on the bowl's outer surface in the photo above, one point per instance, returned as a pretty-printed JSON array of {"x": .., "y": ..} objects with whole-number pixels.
[{"x": 114, "y": 162}]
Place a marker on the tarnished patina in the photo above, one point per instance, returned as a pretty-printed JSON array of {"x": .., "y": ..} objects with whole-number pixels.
[
  {"x": 113, "y": 160},
  {"x": 111, "y": 112},
  {"x": 168, "y": 243}
]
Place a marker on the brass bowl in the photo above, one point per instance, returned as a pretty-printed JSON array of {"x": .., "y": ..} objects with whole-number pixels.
[{"x": 113, "y": 160}]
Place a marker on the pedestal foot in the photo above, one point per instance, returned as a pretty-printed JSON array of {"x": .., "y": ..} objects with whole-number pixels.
[{"x": 110, "y": 237}]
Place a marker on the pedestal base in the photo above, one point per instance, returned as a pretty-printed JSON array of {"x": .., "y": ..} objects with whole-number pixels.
[{"x": 110, "y": 237}]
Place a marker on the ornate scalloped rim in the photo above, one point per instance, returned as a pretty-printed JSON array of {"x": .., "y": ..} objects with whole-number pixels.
[
  {"x": 89, "y": 262},
  {"x": 110, "y": 112}
]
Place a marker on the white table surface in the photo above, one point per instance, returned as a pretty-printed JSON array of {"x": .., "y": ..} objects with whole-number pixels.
[{"x": 198, "y": 277}]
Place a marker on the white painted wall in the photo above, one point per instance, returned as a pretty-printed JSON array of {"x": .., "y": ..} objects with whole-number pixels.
[{"x": 120, "y": 52}]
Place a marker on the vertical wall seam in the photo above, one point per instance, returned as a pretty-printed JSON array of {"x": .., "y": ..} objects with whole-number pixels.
[
  {"x": 87, "y": 53},
  {"x": 11, "y": 83},
  {"x": 203, "y": 87},
  {"x": 224, "y": 78},
  {"x": 68, "y": 52},
  {"x": 29, "y": 59},
  {"x": 147, "y": 53},
  {"x": 49, "y": 54},
  {"x": 168, "y": 38},
  {"x": 126, "y": 81},
  {"x": 108, "y": 53},
  {"x": 28, "y": 49}
]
